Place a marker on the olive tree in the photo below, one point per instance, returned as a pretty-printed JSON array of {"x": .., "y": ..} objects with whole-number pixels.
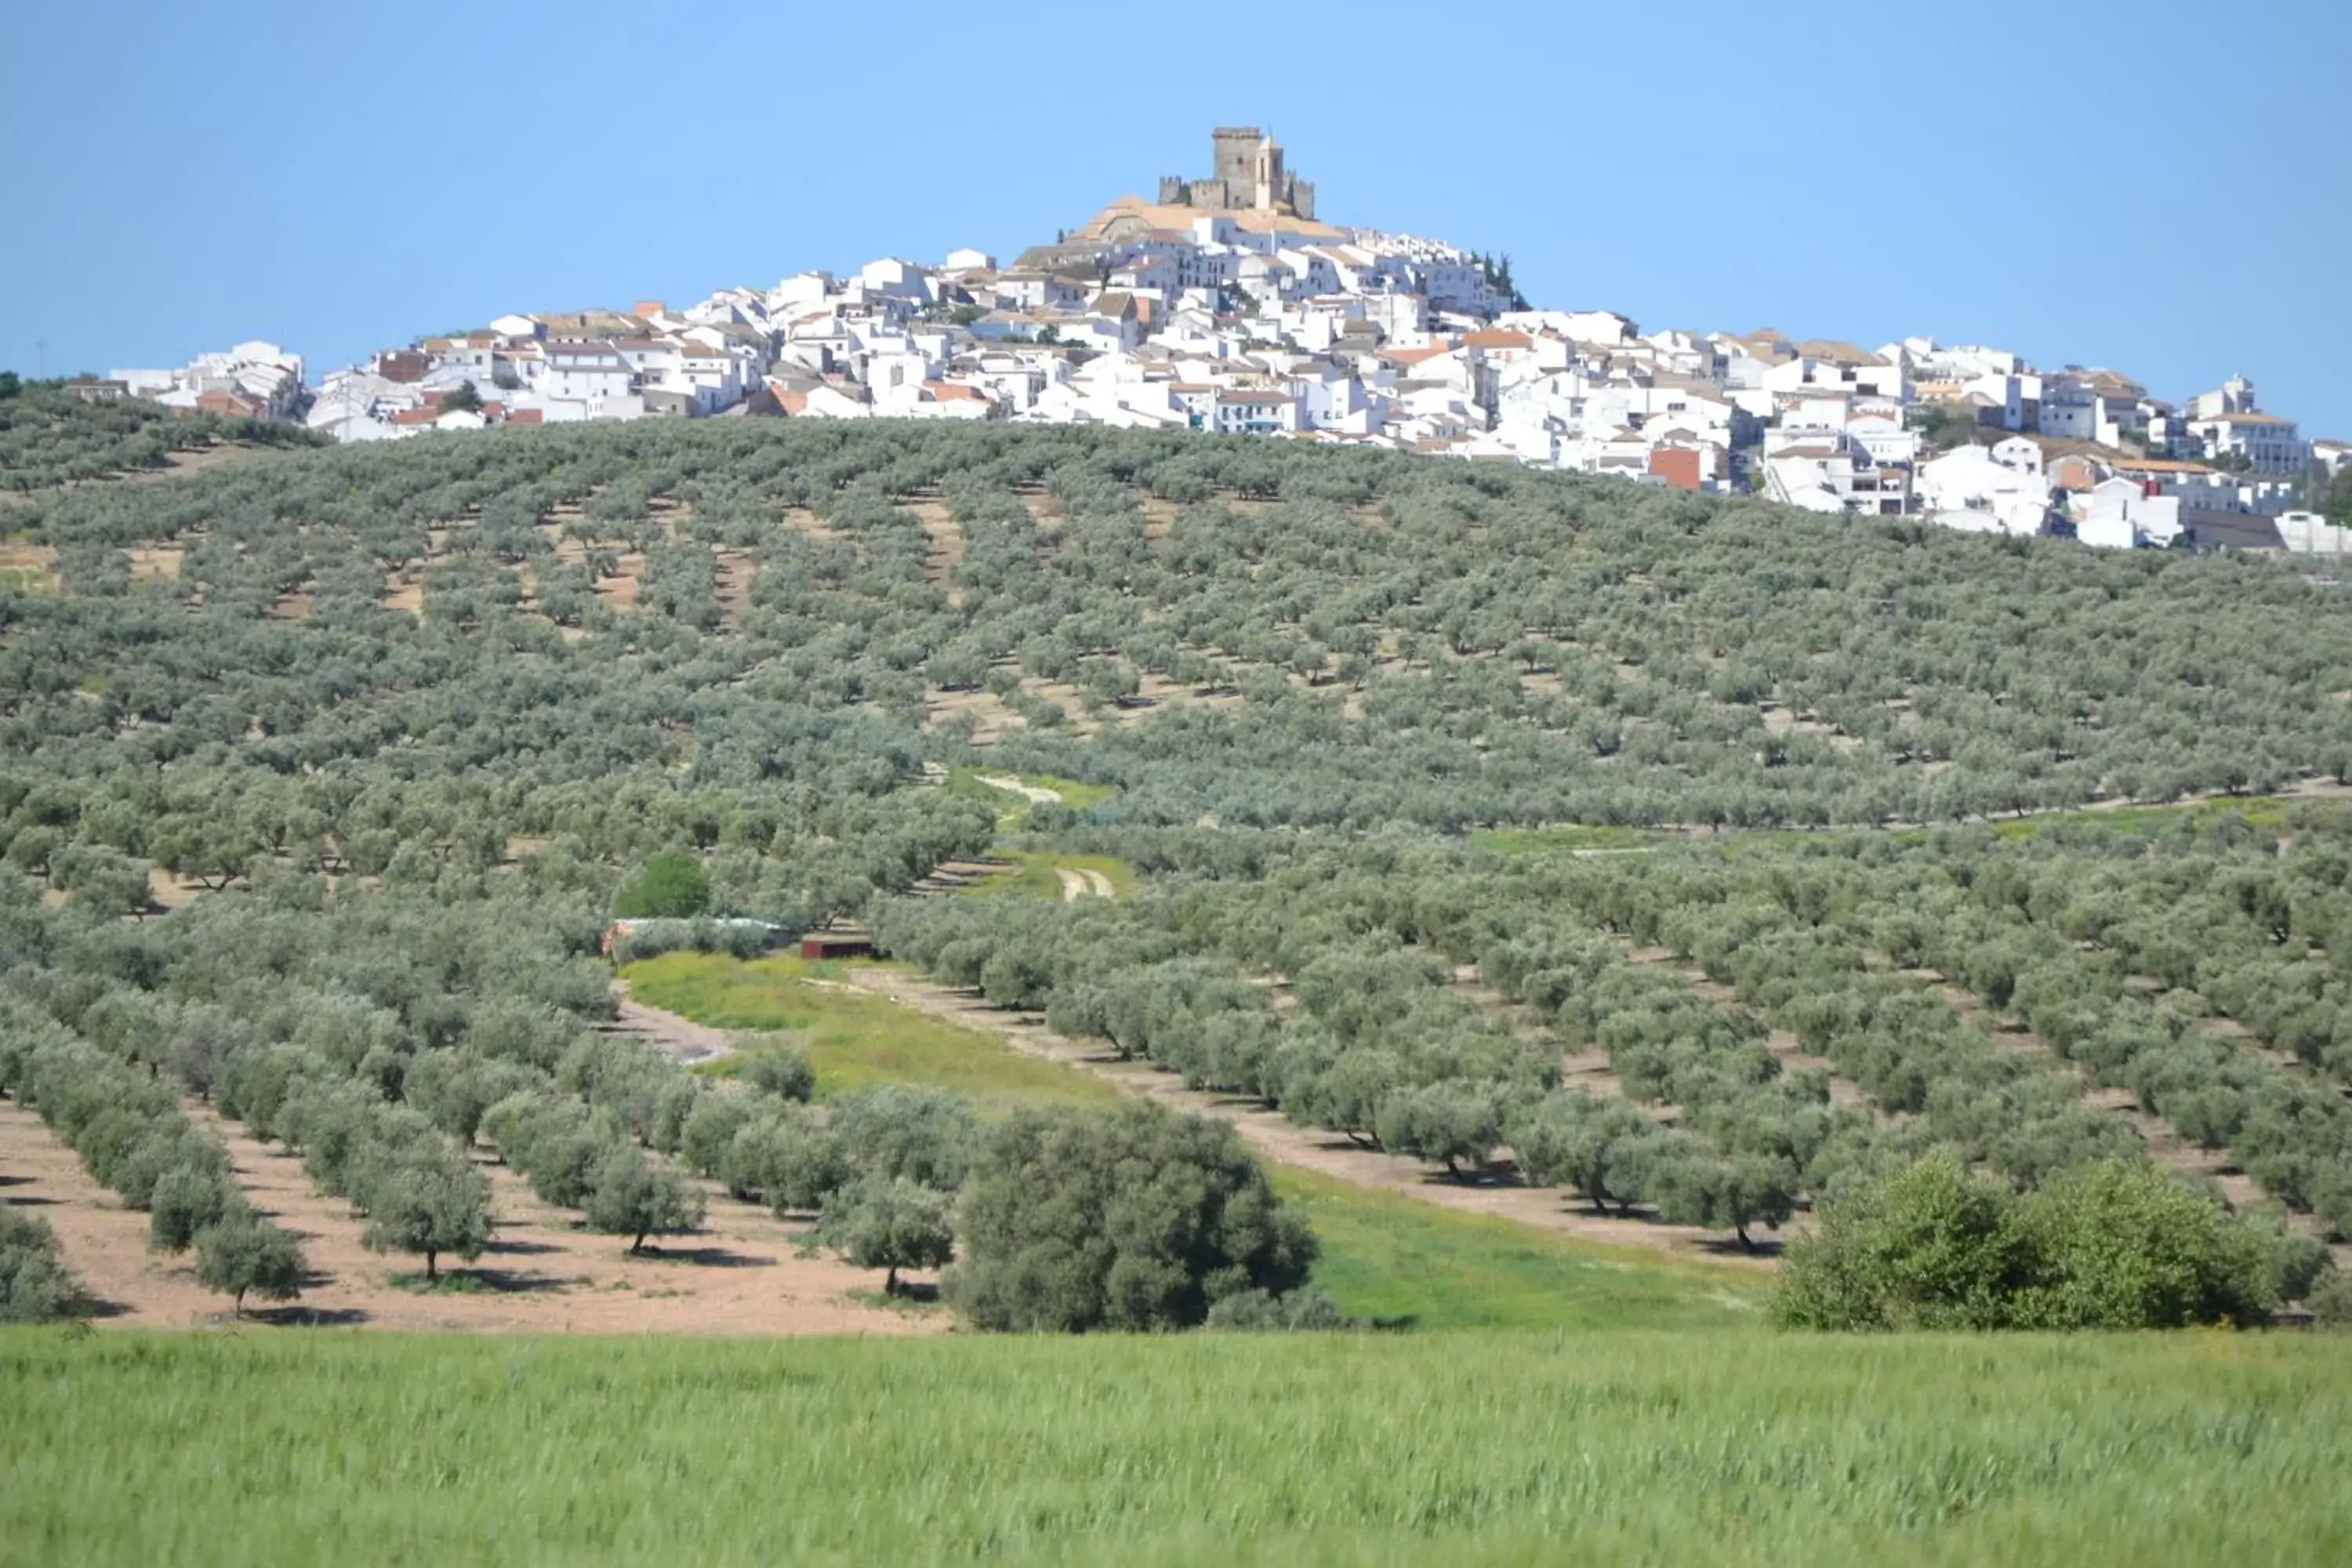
[
  {"x": 244, "y": 1255},
  {"x": 637, "y": 1198},
  {"x": 428, "y": 1203},
  {"x": 1130, "y": 1218},
  {"x": 35, "y": 1286},
  {"x": 889, "y": 1223}
]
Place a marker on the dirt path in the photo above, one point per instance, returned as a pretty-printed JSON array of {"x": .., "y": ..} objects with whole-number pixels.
[
  {"x": 680, "y": 1039},
  {"x": 1284, "y": 1141},
  {"x": 1074, "y": 886},
  {"x": 1035, "y": 794},
  {"x": 1098, "y": 884}
]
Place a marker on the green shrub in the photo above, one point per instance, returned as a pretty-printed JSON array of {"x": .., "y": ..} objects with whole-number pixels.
[
  {"x": 667, "y": 887},
  {"x": 2331, "y": 1300},
  {"x": 773, "y": 1065},
  {"x": 35, "y": 1287},
  {"x": 2113, "y": 1244}
]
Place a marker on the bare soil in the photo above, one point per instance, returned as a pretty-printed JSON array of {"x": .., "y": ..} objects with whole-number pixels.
[
  {"x": 741, "y": 1274},
  {"x": 620, "y": 590},
  {"x": 736, "y": 569},
  {"x": 945, "y": 535},
  {"x": 681, "y": 1039}
]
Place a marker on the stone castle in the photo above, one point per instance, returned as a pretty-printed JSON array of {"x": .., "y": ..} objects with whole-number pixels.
[{"x": 1246, "y": 172}]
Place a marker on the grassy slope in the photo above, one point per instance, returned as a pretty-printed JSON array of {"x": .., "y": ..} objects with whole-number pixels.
[
  {"x": 1384, "y": 1258},
  {"x": 1033, "y": 873},
  {"x": 2260, "y": 811},
  {"x": 852, "y": 1039},
  {"x": 1374, "y": 1448},
  {"x": 1397, "y": 1261},
  {"x": 1011, "y": 807}
]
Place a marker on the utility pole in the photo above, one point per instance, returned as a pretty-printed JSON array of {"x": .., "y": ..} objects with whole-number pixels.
[{"x": 41, "y": 359}]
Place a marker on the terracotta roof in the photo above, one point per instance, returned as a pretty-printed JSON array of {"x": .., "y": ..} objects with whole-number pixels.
[
  {"x": 1497, "y": 338},
  {"x": 2241, "y": 419},
  {"x": 2157, "y": 465},
  {"x": 1417, "y": 356}
]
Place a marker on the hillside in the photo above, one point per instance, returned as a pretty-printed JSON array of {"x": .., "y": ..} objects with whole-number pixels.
[
  {"x": 416, "y": 711},
  {"x": 1557, "y": 893}
]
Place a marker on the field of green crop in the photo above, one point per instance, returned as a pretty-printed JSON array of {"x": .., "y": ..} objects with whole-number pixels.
[{"x": 1492, "y": 1449}]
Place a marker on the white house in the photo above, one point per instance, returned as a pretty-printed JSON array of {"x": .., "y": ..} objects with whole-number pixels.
[
  {"x": 2269, "y": 444},
  {"x": 1969, "y": 488},
  {"x": 595, "y": 372},
  {"x": 1252, "y": 411},
  {"x": 2121, "y": 514},
  {"x": 2309, "y": 534}
]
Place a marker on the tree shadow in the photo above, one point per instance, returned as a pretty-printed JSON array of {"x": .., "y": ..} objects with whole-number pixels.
[
  {"x": 518, "y": 1248},
  {"x": 300, "y": 1317},
  {"x": 1731, "y": 1247},
  {"x": 9, "y": 1181},
  {"x": 1493, "y": 1174},
  {"x": 509, "y": 1281},
  {"x": 29, "y": 1201},
  {"x": 703, "y": 1256},
  {"x": 1340, "y": 1144}
]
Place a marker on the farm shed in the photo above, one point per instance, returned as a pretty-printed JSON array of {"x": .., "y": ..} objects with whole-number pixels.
[{"x": 819, "y": 944}]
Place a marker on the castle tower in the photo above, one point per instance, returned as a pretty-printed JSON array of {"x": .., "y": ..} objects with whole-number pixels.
[
  {"x": 1233, "y": 163},
  {"x": 1266, "y": 182}
]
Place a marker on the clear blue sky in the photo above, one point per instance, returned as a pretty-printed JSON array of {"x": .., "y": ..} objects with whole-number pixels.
[{"x": 2158, "y": 186}]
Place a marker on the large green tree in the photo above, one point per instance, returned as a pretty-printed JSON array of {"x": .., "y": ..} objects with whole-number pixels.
[{"x": 1130, "y": 1218}]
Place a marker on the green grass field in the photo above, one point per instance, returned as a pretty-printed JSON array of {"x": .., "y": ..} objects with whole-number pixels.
[
  {"x": 2260, "y": 811},
  {"x": 1385, "y": 1258},
  {"x": 1012, "y": 809},
  {"x": 1399, "y": 1262},
  {"x": 1486, "y": 1448},
  {"x": 1562, "y": 838},
  {"x": 853, "y": 1040}
]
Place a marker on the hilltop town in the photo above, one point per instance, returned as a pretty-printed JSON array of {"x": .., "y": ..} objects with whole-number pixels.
[{"x": 1227, "y": 305}]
